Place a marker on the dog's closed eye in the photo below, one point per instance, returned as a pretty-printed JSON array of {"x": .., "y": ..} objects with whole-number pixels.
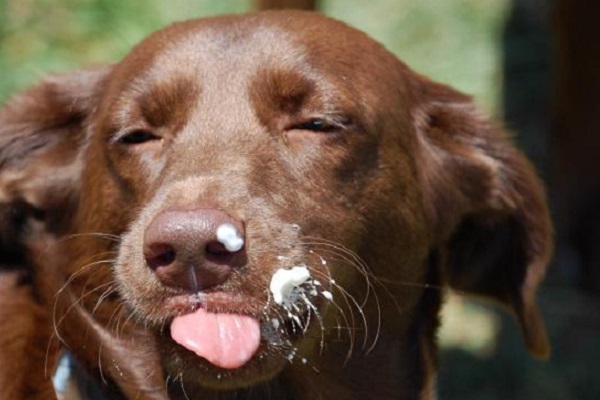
[
  {"x": 137, "y": 136},
  {"x": 316, "y": 125}
]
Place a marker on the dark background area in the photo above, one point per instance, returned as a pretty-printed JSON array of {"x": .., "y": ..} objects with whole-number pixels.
[{"x": 533, "y": 63}]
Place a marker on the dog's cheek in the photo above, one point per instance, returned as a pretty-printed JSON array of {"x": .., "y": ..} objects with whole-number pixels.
[
  {"x": 107, "y": 209},
  {"x": 106, "y": 203},
  {"x": 394, "y": 237}
]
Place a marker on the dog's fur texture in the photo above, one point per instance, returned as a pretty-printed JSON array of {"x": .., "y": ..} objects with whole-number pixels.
[{"x": 331, "y": 152}]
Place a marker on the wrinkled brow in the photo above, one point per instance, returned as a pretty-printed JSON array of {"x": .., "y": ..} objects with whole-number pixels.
[{"x": 168, "y": 103}]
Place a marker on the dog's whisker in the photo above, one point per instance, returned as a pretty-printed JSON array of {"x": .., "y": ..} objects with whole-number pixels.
[
  {"x": 51, "y": 340},
  {"x": 103, "y": 296},
  {"x": 55, "y": 306},
  {"x": 82, "y": 270},
  {"x": 361, "y": 266},
  {"x": 123, "y": 324},
  {"x": 348, "y": 256},
  {"x": 381, "y": 282},
  {"x": 320, "y": 319},
  {"x": 101, "y": 235},
  {"x": 183, "y": 387},
  {"x": 352, "y": 321},
  {"x": 339, "y": 248},
  {"x": 117, "y": 318},
  {"x": 77, "y": 301},
  {"x": 66, "y": 238},
  {"x": 360, "y": 310},
  {"x": 163, "y": 324},
  {"x": 100, "y": 368},
  {"x": 112, "y": 320},
  {"x": 166, "y": 388},
  {"x": 65, "y": 285},
  {"x": 414, "y": 284}
]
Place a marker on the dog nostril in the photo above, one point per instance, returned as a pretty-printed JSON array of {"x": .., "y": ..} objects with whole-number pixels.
[
  {"x": 215, "y": 252},
  {"x": 216, "y": 248},
  {"x": 160, "y": 255}
]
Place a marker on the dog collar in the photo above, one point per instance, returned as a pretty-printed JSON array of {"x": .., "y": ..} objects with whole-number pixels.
[{"x": 71, "y": 382}]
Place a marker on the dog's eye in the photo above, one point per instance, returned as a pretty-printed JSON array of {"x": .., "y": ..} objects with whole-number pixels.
[
  {"x": 137, "y": 137},
  {"x": 316, "y": 125}
]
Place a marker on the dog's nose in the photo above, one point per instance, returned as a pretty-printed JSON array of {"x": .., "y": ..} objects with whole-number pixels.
[{"x": 194, "y": 250}]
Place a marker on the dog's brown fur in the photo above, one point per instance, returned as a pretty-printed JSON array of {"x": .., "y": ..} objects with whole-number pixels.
[{"x": 406, "y": 188}]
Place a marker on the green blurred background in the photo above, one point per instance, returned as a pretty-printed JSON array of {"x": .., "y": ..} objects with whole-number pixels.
[
  {"x": 459, "y": 42},
  {"x": 454, "y": 41}
]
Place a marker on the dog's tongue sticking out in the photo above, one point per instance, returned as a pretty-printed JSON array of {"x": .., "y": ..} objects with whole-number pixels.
[{"x": 225, "y": 340}]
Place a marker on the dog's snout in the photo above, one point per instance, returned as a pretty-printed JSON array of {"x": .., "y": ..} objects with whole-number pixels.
[{"x": 194, "y": 250}]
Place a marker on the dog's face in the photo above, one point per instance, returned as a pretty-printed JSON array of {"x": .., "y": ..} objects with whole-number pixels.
[
  {"x": 303, "y": 152},
  {"x": 317, "y": 149}
]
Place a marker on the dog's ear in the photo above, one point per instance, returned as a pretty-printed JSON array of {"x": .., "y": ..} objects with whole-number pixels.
[
  {"x": 486, "y": 205},
  {"x": 41, "y": 133}
]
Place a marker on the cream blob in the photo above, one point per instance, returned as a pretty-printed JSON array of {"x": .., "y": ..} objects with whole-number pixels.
[
  {"x": 327, "y": 295},
  {"x": 284, "y": 281}
]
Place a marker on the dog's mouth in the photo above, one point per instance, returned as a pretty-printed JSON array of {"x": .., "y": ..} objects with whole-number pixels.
[
  {"x": 230, "y": 341},
  {"x": 226, "y": 336}
]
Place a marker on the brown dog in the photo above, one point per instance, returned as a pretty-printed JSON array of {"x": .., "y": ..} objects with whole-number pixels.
[{"x": 151, "y": 211}]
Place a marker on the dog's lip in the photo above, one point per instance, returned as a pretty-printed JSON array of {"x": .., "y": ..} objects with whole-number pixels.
[{"x": 215, "y": 302}]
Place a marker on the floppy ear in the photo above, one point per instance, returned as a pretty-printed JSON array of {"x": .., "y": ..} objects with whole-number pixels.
[
  {"x": 41, "y": 133},
  {"x": 486, "y": 205}
]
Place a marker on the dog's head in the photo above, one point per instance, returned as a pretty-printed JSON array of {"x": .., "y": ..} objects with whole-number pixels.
[{"x": 220, "y": 152}]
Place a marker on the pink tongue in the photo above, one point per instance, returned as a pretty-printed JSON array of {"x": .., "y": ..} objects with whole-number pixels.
[{"x": 225, "y": 340}]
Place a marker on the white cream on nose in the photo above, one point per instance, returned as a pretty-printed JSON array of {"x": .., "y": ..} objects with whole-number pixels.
[{"x": 229, "y": 237}]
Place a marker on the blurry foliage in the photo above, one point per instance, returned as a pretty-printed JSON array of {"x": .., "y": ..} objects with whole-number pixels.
[
  {"x": 41, "y": 36},
  {"x": 453, "y": 41}
]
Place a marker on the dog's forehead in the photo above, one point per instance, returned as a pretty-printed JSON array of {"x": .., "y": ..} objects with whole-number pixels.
[
  {"x": 227, "y": 55},
  {"x": 264, "y": 35},
  {"x": 234, "y": 47}
]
